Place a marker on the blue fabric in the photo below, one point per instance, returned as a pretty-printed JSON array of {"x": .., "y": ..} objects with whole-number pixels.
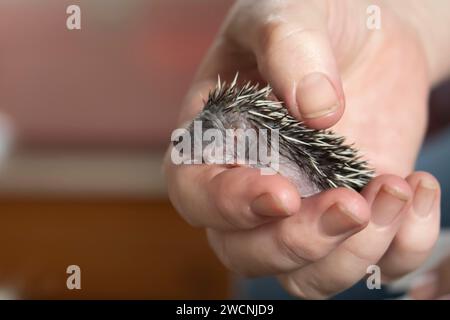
[{"x": 434, "y": 158}]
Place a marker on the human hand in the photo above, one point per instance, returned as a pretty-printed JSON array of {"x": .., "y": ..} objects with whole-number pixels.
[
  {"x": 435, "y": 284},
  {"x": 311, "y": 52}
]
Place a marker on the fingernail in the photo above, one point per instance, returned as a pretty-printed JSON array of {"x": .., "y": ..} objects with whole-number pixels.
[
  {"x": 424, "y": 287},
  {"x": 388, "y": 204},
  {"x": 269, "y": 205},
  {"x": 424, "y": 197},
  {"x": 316, "y": 96},
  {"x": 338, "y": 220}
]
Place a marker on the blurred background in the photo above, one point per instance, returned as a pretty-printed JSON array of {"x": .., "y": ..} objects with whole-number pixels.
[{"x": 85, "y": 116}]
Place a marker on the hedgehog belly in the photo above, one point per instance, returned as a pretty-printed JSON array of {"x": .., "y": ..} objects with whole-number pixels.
[
  {"x": 291, "y": 170},
  {"x": 286, "y": 167},
  {"x": 294, "y": 173}
]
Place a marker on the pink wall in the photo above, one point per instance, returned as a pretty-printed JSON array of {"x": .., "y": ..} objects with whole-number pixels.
[{"x": 118, "y": 81}]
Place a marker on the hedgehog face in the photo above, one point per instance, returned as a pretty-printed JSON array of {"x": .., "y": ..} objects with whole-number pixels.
[{"x": 229, "y": 138}]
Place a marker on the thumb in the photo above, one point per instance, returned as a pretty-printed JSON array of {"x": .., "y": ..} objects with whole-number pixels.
[{"x": 294, "y": 54}]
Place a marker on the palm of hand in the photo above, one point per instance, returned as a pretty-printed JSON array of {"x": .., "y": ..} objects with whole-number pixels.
[{"x": 386, "y": 95}]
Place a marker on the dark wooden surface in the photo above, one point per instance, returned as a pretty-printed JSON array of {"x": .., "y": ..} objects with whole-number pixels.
[{"x": 125, "y": 249}]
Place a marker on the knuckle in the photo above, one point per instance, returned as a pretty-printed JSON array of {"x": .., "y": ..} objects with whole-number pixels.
[
  {"x": 292, "y": 287},
  {"x": 217, "y": 243},
  {"x": 218, "y": 195},
  {"x": 358, "y": 251},
  {"x": 298, "y": 247},
  {"x": 222, "y": 202},
  {"x": 312, "y": 252},
  {"x": 306, "y": 288},
  {"x": 233, "y": 211},
  {"x": 277, "y": 34},
  {"x": 271, "y": 34},
  {"x": 220, "y": 245},
  {"x": 226, "y": 208}
]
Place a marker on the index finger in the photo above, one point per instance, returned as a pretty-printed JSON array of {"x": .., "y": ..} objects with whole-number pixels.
[{"x": 229, "y": 198}]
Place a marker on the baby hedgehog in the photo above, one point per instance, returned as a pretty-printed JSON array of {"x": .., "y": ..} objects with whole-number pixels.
[{"x": 314, "y": 160}]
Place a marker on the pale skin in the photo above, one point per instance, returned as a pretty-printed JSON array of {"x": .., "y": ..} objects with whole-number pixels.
[
  {"x": 370, "y": 86},
  {"x": 436, "y": 284}
]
